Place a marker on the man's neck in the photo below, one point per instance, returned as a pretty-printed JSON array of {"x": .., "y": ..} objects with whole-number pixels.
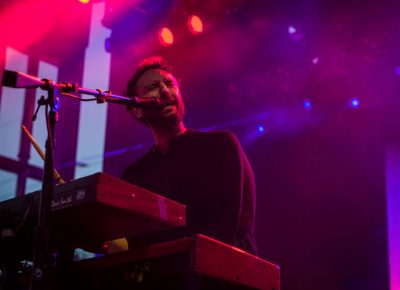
[{"x": 162, "y": 136}]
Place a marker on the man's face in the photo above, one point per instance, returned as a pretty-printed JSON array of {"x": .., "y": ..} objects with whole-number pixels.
[{"x": 157, "y": 83}]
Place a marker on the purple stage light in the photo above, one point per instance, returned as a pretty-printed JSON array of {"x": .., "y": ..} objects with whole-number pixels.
[{"x": 294, "y": 34}]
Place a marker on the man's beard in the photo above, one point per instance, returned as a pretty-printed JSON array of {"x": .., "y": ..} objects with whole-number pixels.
[
  {"x": 156, "y": 120},
  {"x": 163, "y": 122}
]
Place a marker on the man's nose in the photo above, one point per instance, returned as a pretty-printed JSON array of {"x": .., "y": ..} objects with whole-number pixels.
[{"x": 163, "y": 90}]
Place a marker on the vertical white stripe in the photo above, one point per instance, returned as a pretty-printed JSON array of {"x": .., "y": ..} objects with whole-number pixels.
[
  {"x": 11, "y": 113},
  {"x": 8, "y": 185},
  {"x": 39, "y": 130},
  {"x": 92, "y": 119},
  {"x": 32, "y": 185},
  {"x": 393, "y": 213},
  {"x": 12, "y": 107}
]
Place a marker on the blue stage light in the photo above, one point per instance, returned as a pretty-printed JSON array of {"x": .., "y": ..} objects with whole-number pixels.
[
  {"x": 355, "y": 103},
  {"x": 307, "y": 104}
]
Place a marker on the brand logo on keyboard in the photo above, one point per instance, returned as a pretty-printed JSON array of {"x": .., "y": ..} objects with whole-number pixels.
[
  {"x": 80, "y": 194},
  {"x": 63, "y": 201}
]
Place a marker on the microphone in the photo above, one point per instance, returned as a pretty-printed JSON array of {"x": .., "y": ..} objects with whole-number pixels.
[{"x": 15, "y": 79}]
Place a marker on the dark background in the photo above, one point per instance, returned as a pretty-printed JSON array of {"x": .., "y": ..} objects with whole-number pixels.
[{"x": 320, "y": 173}]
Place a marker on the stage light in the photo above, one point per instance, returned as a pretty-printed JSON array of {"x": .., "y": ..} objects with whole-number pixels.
[
  {"x": 307, "y": 104},
  {"x": 166, "y": 37},
  {"x": 398, "y": 70},
  {"x": 295, "y": 34},
  {"x": 292, "y": 30},
  {"x": 355, "y": 103},
  {"x": 195, "y": 24},
  {"x": 260, "y": 128},
  {"x": 315, "y": 60},
  {"x": 84, "y": 1}
]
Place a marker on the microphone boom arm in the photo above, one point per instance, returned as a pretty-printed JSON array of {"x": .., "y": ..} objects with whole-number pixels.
[{"x": 15, "y": 79}]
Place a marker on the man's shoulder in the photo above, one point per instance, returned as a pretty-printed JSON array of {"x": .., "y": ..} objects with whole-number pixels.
[
  {"x": 216, "y": 140},
  {"x": 216, "y": 135}
]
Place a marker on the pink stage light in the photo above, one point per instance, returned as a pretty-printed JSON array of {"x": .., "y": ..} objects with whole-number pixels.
[
  {"x": 166, "y": 37},
  {"x": 195, "y": 24}
]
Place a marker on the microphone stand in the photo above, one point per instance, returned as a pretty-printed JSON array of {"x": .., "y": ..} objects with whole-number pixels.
[{"x": 41, "y": 239}]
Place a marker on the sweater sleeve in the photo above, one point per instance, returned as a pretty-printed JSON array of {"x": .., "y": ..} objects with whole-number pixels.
[{"x": 237, "y": 195}]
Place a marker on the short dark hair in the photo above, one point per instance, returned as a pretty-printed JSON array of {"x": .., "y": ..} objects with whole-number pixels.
[{"x": 154, "y": 62}]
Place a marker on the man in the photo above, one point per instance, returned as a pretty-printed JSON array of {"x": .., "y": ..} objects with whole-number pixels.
[{"x": 206, "y": 171}]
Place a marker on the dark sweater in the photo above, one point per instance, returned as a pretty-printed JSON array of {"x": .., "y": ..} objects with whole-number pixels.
[{"x": 210, "y": 174}]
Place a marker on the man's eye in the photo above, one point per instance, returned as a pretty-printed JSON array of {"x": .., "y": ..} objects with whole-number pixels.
[
  {"x": 152, "y": 87},
  {"x": 169, "y": 83}
]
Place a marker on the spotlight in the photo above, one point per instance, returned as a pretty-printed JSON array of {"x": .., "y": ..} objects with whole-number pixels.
[
  {"x": 260, "y": 128},
  {"x": 292, "y": 30},
  {"x": 165, "y": 36},
  {"x": 355, "y": 103},
  {"x": 195, "y": 24},
  {"x": 84, "y": 1},
  {"x": 294, "y": 34},
  {"x": 307, "y": 104}
]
